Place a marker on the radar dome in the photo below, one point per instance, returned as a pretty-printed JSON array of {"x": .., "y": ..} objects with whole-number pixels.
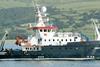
[{"x": 43, "y": 9}]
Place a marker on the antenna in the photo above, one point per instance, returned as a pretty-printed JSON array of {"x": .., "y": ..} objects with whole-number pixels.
[
  {"x": 34, "y": 4},
  {"x": 35, "y": 9}
]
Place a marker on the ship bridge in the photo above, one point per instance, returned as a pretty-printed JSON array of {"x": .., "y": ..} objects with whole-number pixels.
[{"x": 47, "y": 31}]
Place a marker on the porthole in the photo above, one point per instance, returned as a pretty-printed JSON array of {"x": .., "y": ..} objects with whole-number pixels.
[
  {"x": 70, "y": 39},
  {"x": 37, "y": 48},
  {"x": 53, "y": 39},
  {"x": 61, "y": 39},
  {"x": 30, "y": 48},
  {"x": 51, "y": 48},
  {"x": 44, "y": 39},
  {"x": 49, "y": 39},
  {"x": 66, "y": 39}
]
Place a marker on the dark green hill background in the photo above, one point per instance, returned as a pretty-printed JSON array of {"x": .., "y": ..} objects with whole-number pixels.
[{"x": 68, "y": 15}]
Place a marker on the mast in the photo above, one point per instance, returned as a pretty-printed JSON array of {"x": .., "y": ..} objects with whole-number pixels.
[{"x": 39, "y": 13}]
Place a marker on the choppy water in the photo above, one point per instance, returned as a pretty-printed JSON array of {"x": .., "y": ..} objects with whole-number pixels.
[{"x": 47, "y": 63}]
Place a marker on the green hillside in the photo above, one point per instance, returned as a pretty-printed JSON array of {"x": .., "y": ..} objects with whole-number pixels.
[{"x": 68, "y": 15}]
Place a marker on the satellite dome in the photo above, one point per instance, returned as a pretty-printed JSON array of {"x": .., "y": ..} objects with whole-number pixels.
[{"x": 43, "y": 9}]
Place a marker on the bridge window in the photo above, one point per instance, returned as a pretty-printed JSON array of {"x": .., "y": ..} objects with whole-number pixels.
[
  {"x": 45, "y": 30},
  {"x": 49, "y": 30},
  {"x": 40, "y": 30}
]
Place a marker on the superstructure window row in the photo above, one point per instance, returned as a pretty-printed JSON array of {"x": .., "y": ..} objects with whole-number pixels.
[
  {"x": 46, "y": 30},
  {"x": 57, "y": 40}
]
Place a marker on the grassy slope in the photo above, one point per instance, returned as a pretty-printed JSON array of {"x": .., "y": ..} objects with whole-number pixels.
[
  {"x": 12, "y": 4},
  {"x": 62, "y": 5}
]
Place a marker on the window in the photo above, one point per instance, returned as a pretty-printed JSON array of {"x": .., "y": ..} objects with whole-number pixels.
[
  {"x": 40, "y": 30},
  {"x": 49, "y": 30},
  {"x": 49, "y": 39},
  {"x": 37, "y": 48},
  {"x": 44, "y": 39},
  {"x": 30, "y": 48},
  {"x": 34, "y": 48},
  {"x": 70, "y": 39},
  {"x": 53, "y": 39},
  {"x": 75, "y": 37},
  {"x": 66, "y": 39},
  {"x": 45, "y": 30},
  {"x": 61, "y": 39},
  {"x": 26, "y": 48}
]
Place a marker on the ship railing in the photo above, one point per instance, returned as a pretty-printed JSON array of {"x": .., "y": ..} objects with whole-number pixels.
[{"x": 67, "y": 34}]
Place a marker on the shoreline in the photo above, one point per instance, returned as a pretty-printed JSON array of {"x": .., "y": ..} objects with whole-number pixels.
[{"x": 9, "y": 41}]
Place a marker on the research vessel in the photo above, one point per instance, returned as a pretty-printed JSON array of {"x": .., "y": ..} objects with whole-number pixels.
[{"x": 48, "y": 44}]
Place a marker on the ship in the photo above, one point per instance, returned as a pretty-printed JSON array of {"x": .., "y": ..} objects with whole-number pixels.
[{"x": 48, "y": 44}]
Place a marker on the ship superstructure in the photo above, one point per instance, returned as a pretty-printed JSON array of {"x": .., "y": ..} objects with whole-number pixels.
[
  {"x": 46, "y": 34},
  {"x": 48, "y": 44}
]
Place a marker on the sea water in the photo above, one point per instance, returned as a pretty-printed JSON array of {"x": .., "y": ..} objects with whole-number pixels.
[{"x": 49, "y": 63}]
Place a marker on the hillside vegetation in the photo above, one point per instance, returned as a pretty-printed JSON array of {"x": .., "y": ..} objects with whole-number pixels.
[{"x": 68, "y": 15}]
